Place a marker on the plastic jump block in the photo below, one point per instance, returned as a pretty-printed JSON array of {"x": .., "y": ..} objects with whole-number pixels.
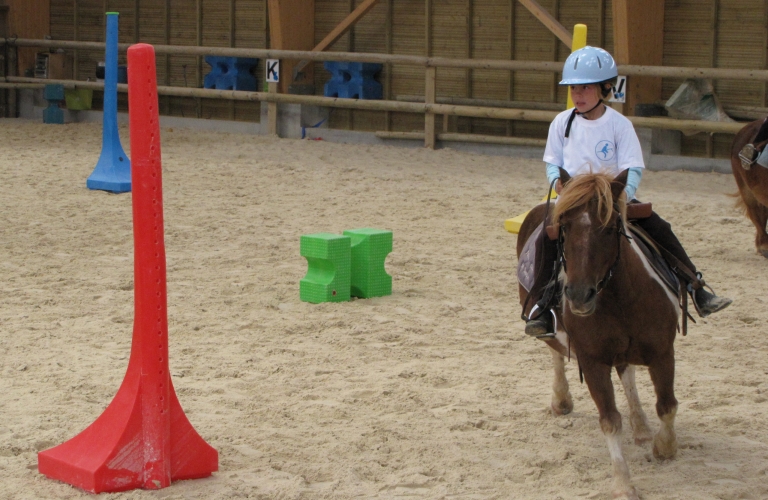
[
  {"x": 328, "y": 277},
  {"x": 230, "y": 73},
  {"x": 353, "y": 80},
  {"x": 54, "y": 94},
  {"x": 513, "y": 225},
  {"x": 370, "y": 248}
]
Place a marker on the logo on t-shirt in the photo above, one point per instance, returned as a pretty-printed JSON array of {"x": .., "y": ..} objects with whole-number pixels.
[{"x": 605, "y": 150}]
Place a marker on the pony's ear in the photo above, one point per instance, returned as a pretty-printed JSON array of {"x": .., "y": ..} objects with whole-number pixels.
[
  {"x": 619, "y": 183},
  {"x": 564, "y": 176}
]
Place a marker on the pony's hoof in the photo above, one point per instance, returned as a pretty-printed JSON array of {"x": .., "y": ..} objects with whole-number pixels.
[
  {"x": 630, "y": 494},
  {"x": 763, "y": 252},
  {"x": 562, "y": 408},
  {"x": 664, "y": 451}
]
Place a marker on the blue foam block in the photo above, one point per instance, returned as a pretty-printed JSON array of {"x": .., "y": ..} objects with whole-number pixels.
[{"x": 353, "y": 80}]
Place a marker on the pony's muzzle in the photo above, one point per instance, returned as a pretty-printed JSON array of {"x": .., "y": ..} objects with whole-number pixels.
[{"x": 581, "y": 298}]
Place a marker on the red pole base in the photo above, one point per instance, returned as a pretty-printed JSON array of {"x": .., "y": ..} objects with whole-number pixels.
[{"x": 109, "y": 455}]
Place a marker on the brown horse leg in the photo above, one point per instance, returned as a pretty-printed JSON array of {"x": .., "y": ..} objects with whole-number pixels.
[
  {"x": 598, "y": 378},
  {"x": 757, "y": 213},
  {"x": 662, "y": 373},
  {"x": 562, "y": 403},
  {"x": 641, "y": 431}
]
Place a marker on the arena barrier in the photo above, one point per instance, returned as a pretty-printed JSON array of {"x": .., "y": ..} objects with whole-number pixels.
[{"x": 430, "y": 107}]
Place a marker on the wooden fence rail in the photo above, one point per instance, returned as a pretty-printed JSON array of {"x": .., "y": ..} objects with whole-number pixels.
[{"x": 432, "y": 105}]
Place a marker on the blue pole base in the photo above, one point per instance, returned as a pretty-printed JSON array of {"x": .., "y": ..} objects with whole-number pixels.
[{"x": 113, "y": 175}]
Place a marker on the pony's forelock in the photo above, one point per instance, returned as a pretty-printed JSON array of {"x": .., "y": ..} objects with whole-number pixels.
[{"x": 582, "y": 189}]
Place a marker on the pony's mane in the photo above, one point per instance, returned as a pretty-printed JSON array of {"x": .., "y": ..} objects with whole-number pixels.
[{"x": 582, "y": 189}]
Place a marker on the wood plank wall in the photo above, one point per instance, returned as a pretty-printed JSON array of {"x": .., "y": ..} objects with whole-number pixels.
[
  {"x": 720, "y": 33},
  {"x": 29, "y": 18}
]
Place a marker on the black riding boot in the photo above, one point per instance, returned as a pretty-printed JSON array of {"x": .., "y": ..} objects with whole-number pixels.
[
  {"x": 705, "y": 302},
  {"x": 544, "y": 290}
]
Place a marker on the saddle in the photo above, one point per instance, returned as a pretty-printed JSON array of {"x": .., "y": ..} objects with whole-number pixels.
[{"x": 655, "y": 257}]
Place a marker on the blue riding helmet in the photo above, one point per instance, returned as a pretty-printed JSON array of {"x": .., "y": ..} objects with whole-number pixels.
[{"x": 588, "y": 65}]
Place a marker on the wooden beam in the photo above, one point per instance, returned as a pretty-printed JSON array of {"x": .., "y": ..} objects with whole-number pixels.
[
  {"x": 292, "y": 27},
  {"x": 345, "y": 25},
  {"x": 549, "y": 21},
  {"x": 638, "y": 38}
]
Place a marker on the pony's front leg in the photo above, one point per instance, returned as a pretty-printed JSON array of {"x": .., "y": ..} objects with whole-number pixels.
[
  {"x": 641, "y": 431},
  {"x": 598, "y": 378},
  {"x": 562, "y": 403},
  {"x": 662, "y": 373}
]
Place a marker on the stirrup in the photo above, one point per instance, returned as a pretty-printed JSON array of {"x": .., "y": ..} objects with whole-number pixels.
[
  {"x": 545, "y": 321},
  {"x": 722, "y": 302},
  {"x": 748, "y": 155}
]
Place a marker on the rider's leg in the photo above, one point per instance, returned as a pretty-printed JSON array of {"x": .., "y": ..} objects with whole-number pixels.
[
  {"x": 661, "y": 231},
  {"x": 540, "y": 321}
]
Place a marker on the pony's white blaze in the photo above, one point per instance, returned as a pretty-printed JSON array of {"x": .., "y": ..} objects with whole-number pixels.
[{"x": 655, "y": 276}]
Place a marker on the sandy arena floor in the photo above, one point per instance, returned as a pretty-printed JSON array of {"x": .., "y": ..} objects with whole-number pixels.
[{"x": 433, "y": 392}]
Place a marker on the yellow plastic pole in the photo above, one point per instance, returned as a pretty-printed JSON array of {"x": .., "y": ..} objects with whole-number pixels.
[
  {"x": 579, "y": 42},
  {"x": 513, "y": 225}
]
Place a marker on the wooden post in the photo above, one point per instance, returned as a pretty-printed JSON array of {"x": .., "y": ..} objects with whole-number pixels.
[
  {"x": 199, "y": 65},
  {"x": 710, "y": 144},
  {"x": 136, "y": 24},
  {"x": 13, "y": 64},
  {"x": 272, "y": 112},
  {"x": 555, "y": 55},
  {"x": 765, "y": 50},
  {"x": 388, "y": 66},
  {"x": 292, "y": 27},
  {"x": 429, "y": 98},
  {"x": 511, "y": 87},
  {"x": 167, "y": 25},
  {"x": 32, "y": 18},
  {"x": 469, "y": 73},
  {"x": 75, "y": 33},
  {"x": 638, "y": 27},
  {"x": 231, "y": 44}
]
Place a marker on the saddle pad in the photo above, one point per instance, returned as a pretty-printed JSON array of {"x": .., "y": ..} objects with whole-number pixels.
[
  {"x": 527, "y": 260},
  {"x": 657, "y": 261}
]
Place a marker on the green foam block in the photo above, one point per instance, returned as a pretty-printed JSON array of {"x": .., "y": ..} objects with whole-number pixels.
[
  {"x": 329, "y": 274},
  {"x": 370, "y": 248}
]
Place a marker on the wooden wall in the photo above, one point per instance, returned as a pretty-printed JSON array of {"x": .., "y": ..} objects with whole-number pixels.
[
  {"x": 215, "y": 23},
  {"x": 706, "y": 33},
  {"x": 28, "y": 19}
]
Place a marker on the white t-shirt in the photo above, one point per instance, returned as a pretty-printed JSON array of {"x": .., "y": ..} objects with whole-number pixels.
[{"x": 608, "y": 145}]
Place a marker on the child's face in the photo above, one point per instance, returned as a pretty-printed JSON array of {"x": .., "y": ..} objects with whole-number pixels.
[{"x": 585, "y": 97}]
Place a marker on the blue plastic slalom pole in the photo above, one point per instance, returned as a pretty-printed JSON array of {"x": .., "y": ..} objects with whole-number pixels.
[{"x": 113, "y": 170}]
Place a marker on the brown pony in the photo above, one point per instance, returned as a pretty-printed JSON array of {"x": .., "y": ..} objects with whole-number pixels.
[
  {"x": 615, "y": 313},
  {"x": 753, "y": 185}
]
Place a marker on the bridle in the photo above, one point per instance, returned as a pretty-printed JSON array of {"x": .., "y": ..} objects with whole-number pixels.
[{"x": 621, "y": 230}]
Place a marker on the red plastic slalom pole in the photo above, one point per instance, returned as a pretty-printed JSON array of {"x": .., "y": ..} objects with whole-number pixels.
[{"x": 143, "y": 439}]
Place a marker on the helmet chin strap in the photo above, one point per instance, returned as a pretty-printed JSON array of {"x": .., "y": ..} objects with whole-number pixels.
[{"x": 576, "y": 112}]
